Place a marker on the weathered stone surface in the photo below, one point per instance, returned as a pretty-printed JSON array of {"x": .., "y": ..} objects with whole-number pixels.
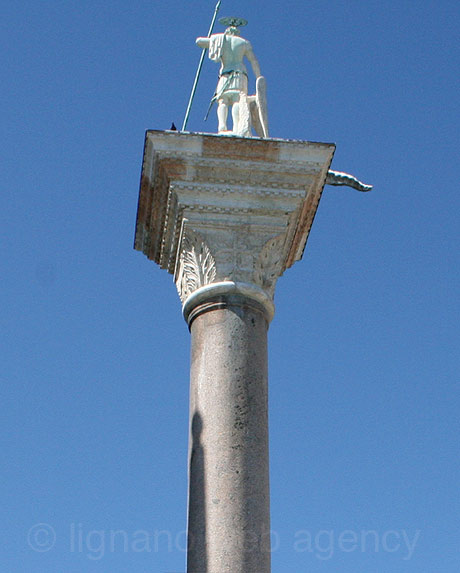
[
  {"x": 215, "y": 209},
  {"x": 226, "y": 216},
  {"x": 229, "y": 510}
]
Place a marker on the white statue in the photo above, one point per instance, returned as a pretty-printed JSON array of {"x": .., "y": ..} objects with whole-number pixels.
[
  {"x": 248, "y": 111},
  {"x": 232, "y": 89}
]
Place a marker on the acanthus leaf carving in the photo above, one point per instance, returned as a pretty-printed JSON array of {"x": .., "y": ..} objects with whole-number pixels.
[
  {"x": 197, "y": 266},
  {"x": 269, "y": 265}
]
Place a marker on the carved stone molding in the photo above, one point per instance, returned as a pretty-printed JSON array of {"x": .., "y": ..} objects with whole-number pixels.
[
  {"x": 238, "y": 255},
  {"x": 269, "y": 265},
  {"x": 227, "y": 209}
]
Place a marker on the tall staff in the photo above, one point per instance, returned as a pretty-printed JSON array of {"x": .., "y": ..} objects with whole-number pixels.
[{"x": 200, "y": 65}]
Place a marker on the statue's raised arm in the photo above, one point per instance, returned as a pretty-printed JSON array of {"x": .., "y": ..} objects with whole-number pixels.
[{"x": 203, "y": 42}]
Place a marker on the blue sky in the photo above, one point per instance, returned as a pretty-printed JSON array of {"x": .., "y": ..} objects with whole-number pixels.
[{"x": 364, "y": 358}]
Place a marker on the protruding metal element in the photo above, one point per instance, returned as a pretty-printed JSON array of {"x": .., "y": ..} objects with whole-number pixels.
[
  {"x": 341, "y": 178},
  {"x": 234, "y": 22},
  {"x": 200, "y": 65}
]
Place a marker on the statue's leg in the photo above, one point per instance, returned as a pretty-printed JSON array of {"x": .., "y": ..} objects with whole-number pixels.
[
  {"x": 222, "y": 114},
  {"x": 236, "y": 116}
]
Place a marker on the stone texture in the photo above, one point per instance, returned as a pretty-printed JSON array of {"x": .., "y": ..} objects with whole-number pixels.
[
  {"x": 227, "y": 216},
  {"x": 227, "y": 208},
  {"x": 229, "y": 510}
]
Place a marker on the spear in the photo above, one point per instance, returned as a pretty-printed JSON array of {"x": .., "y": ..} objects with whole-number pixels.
[{"x": 200, "y": 65}]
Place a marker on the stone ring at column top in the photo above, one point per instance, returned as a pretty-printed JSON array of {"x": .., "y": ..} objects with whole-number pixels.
[{"x": 247, "y": 293}]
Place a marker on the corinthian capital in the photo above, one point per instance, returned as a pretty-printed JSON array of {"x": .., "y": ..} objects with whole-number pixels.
[{"x": 233, "y": 210}]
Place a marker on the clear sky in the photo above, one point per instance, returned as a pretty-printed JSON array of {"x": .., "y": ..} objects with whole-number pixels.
[{"x": 364, "y": 348}]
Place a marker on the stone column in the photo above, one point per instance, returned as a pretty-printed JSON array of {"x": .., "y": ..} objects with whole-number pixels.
[
  {"x": 229, "y": 503},
  {"x": 227, "y": 216}
]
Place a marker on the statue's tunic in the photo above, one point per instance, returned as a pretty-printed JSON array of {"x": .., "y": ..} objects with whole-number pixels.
[{"x": 229, "y": 50}]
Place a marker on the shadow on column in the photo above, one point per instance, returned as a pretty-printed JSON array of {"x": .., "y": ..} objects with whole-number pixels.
[{"x": 197, "y": 561}]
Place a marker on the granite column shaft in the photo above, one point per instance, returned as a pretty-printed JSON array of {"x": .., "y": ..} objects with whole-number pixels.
[{"x": 229, "y": 504}]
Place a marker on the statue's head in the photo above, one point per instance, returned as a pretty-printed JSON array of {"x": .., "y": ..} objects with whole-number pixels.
[
  {"x": 232, "y": 25},
  {"x": 232, "y": 31}
]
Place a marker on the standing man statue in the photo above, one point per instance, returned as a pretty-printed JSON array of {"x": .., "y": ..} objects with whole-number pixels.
[
  {"x": 232, "y": 89},
  {"x": 248, "y": 111}
]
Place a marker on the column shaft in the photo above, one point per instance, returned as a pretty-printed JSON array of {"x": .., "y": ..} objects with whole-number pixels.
[{"x": 229, "y": 506}]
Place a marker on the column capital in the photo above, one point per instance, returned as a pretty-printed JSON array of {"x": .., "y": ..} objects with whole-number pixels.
[{"x": 228, "y": 211}]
